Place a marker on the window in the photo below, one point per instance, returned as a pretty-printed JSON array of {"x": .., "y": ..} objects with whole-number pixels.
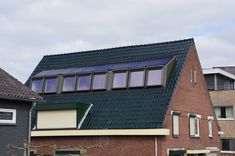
[
  {"x": 99, "y": 81},
  {"x": 37, "y": 85},
  {"x": 119, "y": 79},
  {"x": 228, "y": 144},
  {"x": 210, "y": 119},
  {"x": 50, "y": 86},
  {"x": 175, "y": 124},
  {"x": 193, "y": 76},
  {"x": 194, "y": 125},
  {"x": 7, "y": 116},
  {"x": 154, "y": 77},
  {"x": 136, "y": 79},
  {"x": 224, "y": 112},
  {"x": 84, "y": 83},
  {"x": 69, "y": 84},
  {"x": 67, "y": 152}
]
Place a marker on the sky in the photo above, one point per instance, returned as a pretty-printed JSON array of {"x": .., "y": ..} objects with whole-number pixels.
[{"x": 30, "y": 29}]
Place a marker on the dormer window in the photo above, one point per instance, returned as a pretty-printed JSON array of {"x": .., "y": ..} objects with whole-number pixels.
[
  {"x": 50, "y": 85},
  {"x": 37, "y": 85},
  {"x": 136, "y": 78},
  {"x": 69, "y": 84},
  {"x": 99, "y": 81},
  {"x": 120, "y": 80},
  {"x": 84, "y": 82},
  {"x": 154, "y": 77}
]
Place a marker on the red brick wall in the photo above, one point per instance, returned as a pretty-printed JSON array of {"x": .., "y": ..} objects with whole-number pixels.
[
  {"x": 110, "y": 146},
  {"x": 189, "y": 98}
]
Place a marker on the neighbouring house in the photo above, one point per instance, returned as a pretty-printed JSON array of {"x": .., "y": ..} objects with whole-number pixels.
[
  {"x": 16, "y": 101},
  {"x": 221, "y": 85},
  {"x": 148, "y": 100}
]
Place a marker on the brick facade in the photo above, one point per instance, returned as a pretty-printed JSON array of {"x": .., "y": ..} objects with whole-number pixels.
[
  {"x": 109, "y": 146},
  {"x": 191, "y": 98}
]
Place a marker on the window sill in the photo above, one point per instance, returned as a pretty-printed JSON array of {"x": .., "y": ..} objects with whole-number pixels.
[
  {"x": 228, "y": 152},
  {"x": 225, "y": 119},
  {"x": 195, "y": 137}
]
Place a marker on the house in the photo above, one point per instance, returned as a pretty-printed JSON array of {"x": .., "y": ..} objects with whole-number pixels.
[
  {"x": 16, "y": 101},
  {"x": 221, "y": 85},
  {"x": 147, "y": 100}
]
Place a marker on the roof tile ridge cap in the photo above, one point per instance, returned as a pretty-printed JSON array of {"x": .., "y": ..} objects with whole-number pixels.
[
  {"x": 23, "y": 87},
  {"x": 120, "y": 47}
]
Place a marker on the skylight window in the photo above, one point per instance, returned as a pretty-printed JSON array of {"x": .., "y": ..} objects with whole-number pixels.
[
  {"x": 84, "y": 83},
  {"x": 99, "y": 81},
  {"x": 69, "y": 84},
  {"x": 37, "y": 85},
  {"x": 154, "y": 77},
  {"x": 136, "y": 78},
  {"x": 120, "y": 80},
  {"x": 50, "y": 86}
]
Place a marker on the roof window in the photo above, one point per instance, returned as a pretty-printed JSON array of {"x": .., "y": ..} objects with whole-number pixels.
[
  {"x": 69, "y": 84},
  {"x": 119, "y": 79},
  {"x": 136, "y": 78},
  {"x": 99, "y": 81},
  {"x": 154, "y": 77},
  {"x": 84, "y": 82},
  {"x": 37, "y": 85},
  {"x": 50, "y": 85}
]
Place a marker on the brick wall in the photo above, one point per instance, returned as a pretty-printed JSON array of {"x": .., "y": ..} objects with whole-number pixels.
[
  {"x": 189, "y": 98},
  {"x": 110, "y": 146}
]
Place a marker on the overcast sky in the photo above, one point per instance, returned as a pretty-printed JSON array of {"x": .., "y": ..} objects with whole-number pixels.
[{"x": 30, "y": 29}]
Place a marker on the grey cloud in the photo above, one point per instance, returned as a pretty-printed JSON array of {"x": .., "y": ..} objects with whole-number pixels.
[{"x": 31, "y": 29}]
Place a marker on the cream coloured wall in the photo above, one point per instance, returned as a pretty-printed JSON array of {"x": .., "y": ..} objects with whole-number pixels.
[{"x": 57, "y": 119}]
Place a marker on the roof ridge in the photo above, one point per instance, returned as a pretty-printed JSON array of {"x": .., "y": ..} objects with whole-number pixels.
[{"x": 121, "y": 47}]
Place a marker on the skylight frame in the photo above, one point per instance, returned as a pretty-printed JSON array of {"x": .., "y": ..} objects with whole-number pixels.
[{"x": 105, "y": 81}]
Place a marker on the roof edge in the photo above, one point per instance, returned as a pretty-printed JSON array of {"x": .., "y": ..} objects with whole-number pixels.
[{"x": 120, "y": 47}]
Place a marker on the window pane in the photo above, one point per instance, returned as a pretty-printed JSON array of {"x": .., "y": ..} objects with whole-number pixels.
[
  {"x": 84, "y": 82},
  {"x": 37, "y": 86},
  {"x": 69, "y": 84},
  {"x": 175, "y": 124},
  {"x": 119, "y": 80},
  {"x": 99, "y": 81},
  {"x": 137, "y": 79},
  {"x": 6, "y": 115},
  {"x": 217, "y": 112},
  {"x": 210, "y": 128},
  {"x": 192, "y": 126},
  {"x": 154, "y": 77},
  {"x": 229, "y": 112},
  {"x": 50, "y": 85}
]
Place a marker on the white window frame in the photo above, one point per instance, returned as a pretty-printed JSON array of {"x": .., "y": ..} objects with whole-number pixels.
[
  {"x": 194, "y": 125},
  {"x": 210, "y": 126},
  {"x": 175, "y": 122},
  {"x": 13, "y": 121}
]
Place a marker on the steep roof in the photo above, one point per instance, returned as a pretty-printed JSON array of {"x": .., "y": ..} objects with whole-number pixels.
[
  {"x": 11, "y": 88},
  {"x": 133, "y": 108}
]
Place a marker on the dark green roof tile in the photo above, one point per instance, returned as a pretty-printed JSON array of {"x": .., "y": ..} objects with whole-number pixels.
[{"x": 133, "y": 108}]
